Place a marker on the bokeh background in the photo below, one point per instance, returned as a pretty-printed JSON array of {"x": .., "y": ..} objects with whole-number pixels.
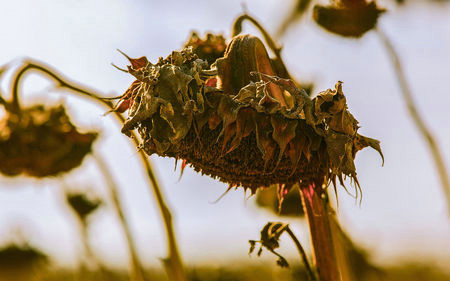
[{"x": 402, "y": 217}]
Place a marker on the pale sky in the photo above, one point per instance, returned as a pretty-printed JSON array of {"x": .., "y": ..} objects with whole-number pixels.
[{"x": 403, "y": 213}]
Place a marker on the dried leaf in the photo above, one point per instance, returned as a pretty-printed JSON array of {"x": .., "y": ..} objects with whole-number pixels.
[
  {"x": 283, "y": 132},
  {"x": 362, "y": 142}
]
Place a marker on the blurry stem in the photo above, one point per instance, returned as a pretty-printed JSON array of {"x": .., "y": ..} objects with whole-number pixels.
[
  {"x": 2, "y": 100},
  {"x": 418, "y": 120},
  {"x": 174, "y": 260},
  {"x": 137, "y": 270},
  {"x": 279, "y": 64},
  {"x": 90, "y": 256},
  {"x": 295, "y": 13},
  {"x": 237, "y": 29},
  {"x": 302, "y": 253},
  {"x": 318, "y": 213}
]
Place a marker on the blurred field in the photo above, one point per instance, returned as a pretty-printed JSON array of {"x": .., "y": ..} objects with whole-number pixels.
[{"x": 409, "y": 272}]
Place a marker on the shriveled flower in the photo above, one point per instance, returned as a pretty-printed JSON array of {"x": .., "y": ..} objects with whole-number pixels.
[
  {"x": 239, "y": 122},
  {"x": 82, "y": 205},
  {"x": 351, "y": 18},
  {"x": 40, "y": 142}
]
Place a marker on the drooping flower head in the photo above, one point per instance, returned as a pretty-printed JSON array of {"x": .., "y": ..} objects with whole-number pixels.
[
  {"x": 349, "y": 18},
  {"x": 38, "y": 141},
  {"x": 239, "y": 122}
]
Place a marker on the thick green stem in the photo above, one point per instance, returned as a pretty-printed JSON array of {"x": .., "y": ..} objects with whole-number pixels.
[
  {"x": 175, "y": 264},
  {"x": 317, "y": 211}
]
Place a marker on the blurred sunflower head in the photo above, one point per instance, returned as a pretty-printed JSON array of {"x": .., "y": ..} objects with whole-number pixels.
[
  {"x": 349, "y": 18},
  {"x": 21, "y": 262},
  {"x": 237, "y": 121},
  {"x": 38, "y": 141},
  {"x": 82, "y": 205}
]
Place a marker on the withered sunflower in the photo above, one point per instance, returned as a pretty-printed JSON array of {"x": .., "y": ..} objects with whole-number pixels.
[
  {"x": 40, "y": 142},
  {"x": 349, "y": 18},
  {"x": 239, "y": 122}
]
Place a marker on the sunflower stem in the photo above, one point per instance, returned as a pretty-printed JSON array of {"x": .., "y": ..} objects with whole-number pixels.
[
  {"x": 302, "y": 254},
  {"x": 278, "y": 61},
  {"x": 137, "y": 272},
  {"x": 175, "y": 265},
  {"x": 317, "y": 211},
  {"x": 415, "y": 115}
]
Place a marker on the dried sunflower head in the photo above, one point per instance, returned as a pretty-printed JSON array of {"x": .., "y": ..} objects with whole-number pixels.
[
  {"x": 40, "y": 142},
  {"x": 238, "y": 122},
  {"x": 350, "y": 18}
]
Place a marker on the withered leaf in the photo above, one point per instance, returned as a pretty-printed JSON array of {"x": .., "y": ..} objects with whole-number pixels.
[
  {"x": 362, "y": 142},
  {"x": 283, "y": 132},
  {"x": 244, "y": 126}
]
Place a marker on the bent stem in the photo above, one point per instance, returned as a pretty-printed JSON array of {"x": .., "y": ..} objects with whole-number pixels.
[
  {"x": 417, "y": 119},
  {"x": 137, "y": 272},
  {"x": 278, "y": 61},
  {"x": 176, "y": 270},
  {"x": 91, "y": 261},
  {"x": 302, "y": 254},
  {"x": 317, "y": 211}
]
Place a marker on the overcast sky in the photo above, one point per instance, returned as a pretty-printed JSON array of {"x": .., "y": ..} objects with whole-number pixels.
[{"x": 402, "y": 214}]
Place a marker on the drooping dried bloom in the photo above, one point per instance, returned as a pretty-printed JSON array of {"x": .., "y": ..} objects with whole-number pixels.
[
  {"x": 82, "y": 205},
  {"x": 41, "y": 142},
  {"x": 350, "y": 18},
  {"x": 238, "y": 122}
]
